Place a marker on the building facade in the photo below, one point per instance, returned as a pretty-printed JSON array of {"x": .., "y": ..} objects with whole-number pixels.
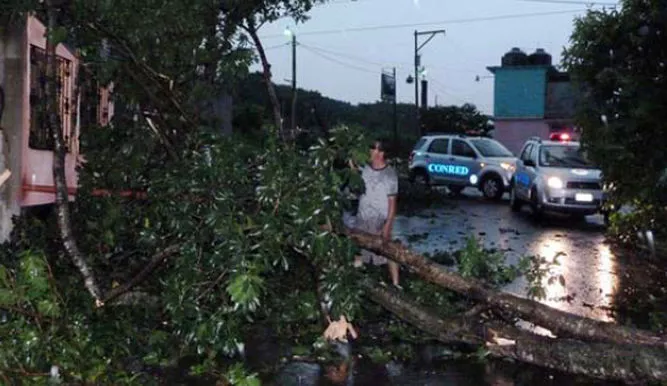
[
  {"x": 26, "y": 148},
  {"x": 531, "y": 98}
]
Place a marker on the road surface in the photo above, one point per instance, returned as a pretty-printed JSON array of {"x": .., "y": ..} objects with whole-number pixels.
[{"x": 586, "y": 262}]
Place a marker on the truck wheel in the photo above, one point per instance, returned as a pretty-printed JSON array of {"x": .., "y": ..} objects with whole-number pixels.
[
  {"x": 515, "y": 203},
  {"x": 538, "y": 211},
  {"x": 492, "y": 187}
]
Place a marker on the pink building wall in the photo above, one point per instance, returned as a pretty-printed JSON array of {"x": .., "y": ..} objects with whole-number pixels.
[
  {"x": 37, "y": 182},
  {"x": 514, "y": 133},
  {"x": 31, "y": 182}
]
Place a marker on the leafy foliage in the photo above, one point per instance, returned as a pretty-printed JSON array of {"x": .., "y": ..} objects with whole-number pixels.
[
  {"x": 618, "y": 59},
  {"x": 540, "y": 272},
  {"x": 474, "y": 261}
]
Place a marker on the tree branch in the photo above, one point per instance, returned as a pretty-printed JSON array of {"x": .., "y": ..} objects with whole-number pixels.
[
  {"x": 55, "y": 128},
  {"x": 559, "y": 322},
  {"x": 266, "y": 72},
  {"x": 627, "y": 362},
  {"x": 142, "y": 275}
]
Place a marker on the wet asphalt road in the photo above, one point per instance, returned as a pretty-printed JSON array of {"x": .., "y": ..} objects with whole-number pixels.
[{"x": 587, "y": 263}]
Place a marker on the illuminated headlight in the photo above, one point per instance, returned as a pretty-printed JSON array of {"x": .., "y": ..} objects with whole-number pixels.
[
  {"x": 507, "y": 166},
  {"x": 474, "y": 179},
  {"x": 555, "y": 183}
]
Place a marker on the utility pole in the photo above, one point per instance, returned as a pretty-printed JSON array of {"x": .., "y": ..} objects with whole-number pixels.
[
  {"x": 294, "y": 92},
  {"x": 395, "y": 116},
  {"x": 418, "y": 47}
]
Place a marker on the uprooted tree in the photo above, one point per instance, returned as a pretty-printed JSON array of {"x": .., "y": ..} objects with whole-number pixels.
[{"x": 221, "y": 234}]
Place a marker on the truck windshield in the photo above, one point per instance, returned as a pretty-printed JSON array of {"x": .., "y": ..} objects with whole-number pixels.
[
  {"x": 561, "y": 156},
  {"x": 490, "y": 148}
]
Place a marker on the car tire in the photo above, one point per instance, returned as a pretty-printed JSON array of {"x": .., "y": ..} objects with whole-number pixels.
[
  {"x": 515, "y": 203},
  {"x": 456, "y": 189},
  {"x": 538, "y": 211},
  {"x": 492, "y": 187}
]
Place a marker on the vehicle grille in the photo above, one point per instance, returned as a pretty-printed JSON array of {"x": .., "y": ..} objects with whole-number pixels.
[{"x": 584, "y": 185}]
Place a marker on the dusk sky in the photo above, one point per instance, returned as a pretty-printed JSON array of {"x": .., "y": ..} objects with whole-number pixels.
[{"x": 346, "y": 44}]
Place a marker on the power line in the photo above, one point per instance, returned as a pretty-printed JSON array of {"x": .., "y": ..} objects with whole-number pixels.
[
  {"x": 571, "y": 2},
  {"x": 276, "y": 46},
  {"x": 399, "y": 65},
  {"x": 326, "y": 57},
  {"x": 351, "y": 57},
  {"x": 441, "y": 87},
  {"x": 450, "y": 21}
]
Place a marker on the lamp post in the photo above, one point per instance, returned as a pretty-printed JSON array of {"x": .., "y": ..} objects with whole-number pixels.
[{"x": 418, "y": 47}]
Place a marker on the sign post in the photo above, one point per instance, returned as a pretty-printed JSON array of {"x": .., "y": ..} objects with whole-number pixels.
[{"x": 388, "y": 94}]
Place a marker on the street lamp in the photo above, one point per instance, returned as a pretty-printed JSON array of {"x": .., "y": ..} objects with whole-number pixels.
[{"x": 418, "y": 47}]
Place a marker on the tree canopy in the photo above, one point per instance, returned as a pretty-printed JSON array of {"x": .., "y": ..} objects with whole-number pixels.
[{"x": 619, "y": 59}]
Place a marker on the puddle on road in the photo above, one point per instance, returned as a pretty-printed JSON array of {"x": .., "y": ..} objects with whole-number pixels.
[{"x": 586, "y": 262}]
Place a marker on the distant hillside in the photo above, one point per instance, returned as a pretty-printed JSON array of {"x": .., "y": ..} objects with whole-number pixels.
[{"x": 317, "y": 112}]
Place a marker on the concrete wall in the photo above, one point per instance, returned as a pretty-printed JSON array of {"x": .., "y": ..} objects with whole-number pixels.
[
  {"x": 520, "y": 92},
  {"x": 13, "y": 61},
  {"x": 514, "y": 133}
]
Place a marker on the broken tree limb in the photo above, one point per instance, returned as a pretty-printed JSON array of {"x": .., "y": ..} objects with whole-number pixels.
[
  {"x": 142, "y": 275},
  {"x": 55, "y": 128},
  {"x": 251, "y": 29},
  {"x": 625, "y": 362},
  {"x": 560, "y": 323}
]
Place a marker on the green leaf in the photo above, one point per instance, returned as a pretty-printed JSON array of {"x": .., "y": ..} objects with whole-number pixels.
[
  {"x": 7, "y": 297},
  {"x": 4, "y": 277},
  {"x": 48, "y": 308},
  {"x": 244, "y": 290}
]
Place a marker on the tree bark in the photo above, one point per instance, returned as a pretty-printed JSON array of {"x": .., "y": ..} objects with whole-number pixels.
[
  {"x": 560, "y": 323},
  {"x": 625, "y": 362},
  {"x": 55, "y": 128},
  {"x": 266, "y": 72}
]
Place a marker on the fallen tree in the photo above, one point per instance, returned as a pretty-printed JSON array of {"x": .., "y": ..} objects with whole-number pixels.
[
  {"x": 580, "y": 346},
  {"x": 611, "y": 361}
]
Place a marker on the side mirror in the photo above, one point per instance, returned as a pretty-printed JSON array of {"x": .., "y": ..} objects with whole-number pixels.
[{"x": 529, "y": 162}]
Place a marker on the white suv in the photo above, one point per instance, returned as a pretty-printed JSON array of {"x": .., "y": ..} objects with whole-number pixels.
[
  {"x": 459, "y": 161},
  {"x": 556, "y": 176}
]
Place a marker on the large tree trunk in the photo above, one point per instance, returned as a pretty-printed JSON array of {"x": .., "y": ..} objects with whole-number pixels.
[
  {"x": 55, "y": 128},
  {"x": 626, "y": 362},
  {"x": 266, "y": 67},
  {"x": 560, "y": 323}
]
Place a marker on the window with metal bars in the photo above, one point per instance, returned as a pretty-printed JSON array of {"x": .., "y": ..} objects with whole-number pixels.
[{"x": 40, "y": 135}]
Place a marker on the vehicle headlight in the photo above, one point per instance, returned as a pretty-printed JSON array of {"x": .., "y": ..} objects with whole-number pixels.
[
  {"x": 507, "y": 166},
  {"x": 555, "y": 183}
]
